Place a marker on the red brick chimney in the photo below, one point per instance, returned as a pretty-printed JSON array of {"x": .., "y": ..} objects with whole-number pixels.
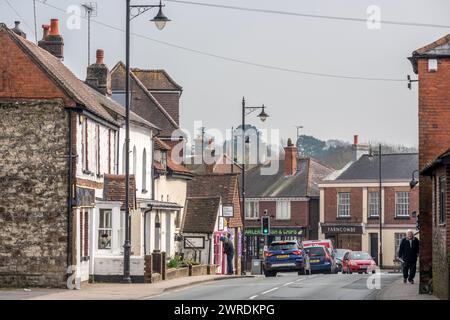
[
  {"x": 98, "y": 75},
  {"x": 358, "y": 150},
  {"x": 52, "y": 41},
  {"x": 290, "y": 158}
]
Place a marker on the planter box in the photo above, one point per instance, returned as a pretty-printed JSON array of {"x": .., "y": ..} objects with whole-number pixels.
[
  {"x": 174, "y": 273},
  {"x": 198, "y": 270}
]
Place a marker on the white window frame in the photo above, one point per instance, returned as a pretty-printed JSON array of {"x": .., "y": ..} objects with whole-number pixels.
[
  {"x": 84, "y": 144},
  {"x": 251, "y": 210},
  {"x": 280, "y": 214},
  {"x": 373, "y": 206},
  {"x": 343, "y": 205},
  {"x": 401, "y": 205},
  {"x": 105, "y": 228}
]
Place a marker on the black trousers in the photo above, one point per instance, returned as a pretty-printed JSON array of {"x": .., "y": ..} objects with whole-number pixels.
[
  {"x": 230, "y": 263},
  {"x": 409, "y": 270}
]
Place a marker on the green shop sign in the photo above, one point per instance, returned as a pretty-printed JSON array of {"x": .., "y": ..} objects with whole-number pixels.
[{"x": 275, "y": 231}]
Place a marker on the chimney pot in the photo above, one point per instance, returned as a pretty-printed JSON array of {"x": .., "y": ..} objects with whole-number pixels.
[
  {"x": 100, "y": 56},
  {"x": 17, "y": 29},
  {"x": 355, "y": 139},
  {"x": 45, "y": 31},
  {"x": 54, "y": 27},
  {"x": 52, "y": 41}
]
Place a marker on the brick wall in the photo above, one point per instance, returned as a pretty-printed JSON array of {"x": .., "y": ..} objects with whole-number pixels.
[
  {"x": 440, "y": 237},
  {"x": 299, "y": 214},
  {"x": 24, "y": 78},
  {"x": 33, "y": 184},
  {"x": 434, "y": 138},
  {"x": 389, "y": 205},
  {"x": 330, "y": 205}
]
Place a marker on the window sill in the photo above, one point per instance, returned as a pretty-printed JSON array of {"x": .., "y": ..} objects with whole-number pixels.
[
  {"x": 144, "y": 191},
  {"x": 374, "y": 218},
  {"x": 251, "y": 218},
  {"x": 344, "y": 218},
  {"x": 283, "y": 219},
  {"x": 402, "y": 217},
  {"x": 87, "y": 172},
  {"x": 442, "y": 225}
]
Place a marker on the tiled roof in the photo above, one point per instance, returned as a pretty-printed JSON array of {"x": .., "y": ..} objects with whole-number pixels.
[
  {"x": 160, "y": 145},
  {"x": 394, "y": 167},
  {"x": 440, "y": 46},
  {"x": 77, "y": 90},
  {"x": 114, "y": 189},
  {"x": 156, "y": 79},
  {"x": 224, "y": 185},
  {"x": 177, "y": 168},
  {"x": 166, "y": 123},
  {"x": 432, "y": 165},
  {"x": 200, "y": 214},
  {"x": 304, "y": 183}
]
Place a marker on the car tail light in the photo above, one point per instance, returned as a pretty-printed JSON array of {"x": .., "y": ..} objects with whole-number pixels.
[
  {"x": 298, "y": 252},
  {"x": 268, "y": 254},
  {"x": 327, "y": 258}
]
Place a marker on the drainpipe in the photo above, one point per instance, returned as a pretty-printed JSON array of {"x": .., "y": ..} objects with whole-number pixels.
[
  {"x": 117, "y": 151},
  {"x": 70, "y": 196}
]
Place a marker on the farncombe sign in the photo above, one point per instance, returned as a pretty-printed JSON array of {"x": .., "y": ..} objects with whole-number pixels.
[{"x": 344, "y": 229}]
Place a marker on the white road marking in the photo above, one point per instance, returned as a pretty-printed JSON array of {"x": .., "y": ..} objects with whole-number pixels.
[
  {"x": 270, "y": 290},
  {"x": 288, "y": 283},
  {"x": 253, "y": 297}
]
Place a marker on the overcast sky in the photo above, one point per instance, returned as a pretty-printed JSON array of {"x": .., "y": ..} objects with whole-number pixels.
[{"x": 328, "y": 108}]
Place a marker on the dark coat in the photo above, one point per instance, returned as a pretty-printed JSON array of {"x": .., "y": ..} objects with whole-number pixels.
[
  {"x": 407, "y": 252},
  {"x": 228, "y": 247}
]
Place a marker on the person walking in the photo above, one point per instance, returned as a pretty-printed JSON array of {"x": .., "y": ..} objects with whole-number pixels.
[
  {"x": 229, "y": 251},
  {"x": 409, "y": 252}
]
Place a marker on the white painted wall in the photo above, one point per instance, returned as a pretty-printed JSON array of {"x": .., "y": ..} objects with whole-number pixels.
[{"x": 140, "y": 140}]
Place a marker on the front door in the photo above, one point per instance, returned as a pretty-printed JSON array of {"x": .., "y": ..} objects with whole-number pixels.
[{"x": 374, "y": 246}]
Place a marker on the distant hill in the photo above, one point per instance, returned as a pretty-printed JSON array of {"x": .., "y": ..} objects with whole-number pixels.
[{"x": 337, "y": 153}]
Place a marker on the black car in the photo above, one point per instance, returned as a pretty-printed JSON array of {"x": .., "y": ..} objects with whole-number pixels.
[{"x": 338, "y": 256}]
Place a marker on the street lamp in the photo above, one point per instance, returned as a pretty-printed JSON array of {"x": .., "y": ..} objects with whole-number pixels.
[
  {"x": 413, "y": 181},
  {"x": 160, "y": 20},
  {"x": 262, "y": 116},
  {"x": 380, "y": 263}
]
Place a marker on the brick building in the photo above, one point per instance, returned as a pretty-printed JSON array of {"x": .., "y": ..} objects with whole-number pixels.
[
  {"x": 289, "y": 195},
  {"x": 350, "y": 203},
  {"x": 432, "y": 65},
  {"x": 439, "y": 173}
]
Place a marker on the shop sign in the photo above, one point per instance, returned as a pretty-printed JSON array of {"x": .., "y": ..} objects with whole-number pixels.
[
  {"x": 276, "y": 231},
  {"x": 343, "y": 229},
  {"x": 227, "y": 210}
]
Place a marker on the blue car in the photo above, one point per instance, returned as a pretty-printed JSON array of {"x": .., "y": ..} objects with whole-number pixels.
[
  {"x": 320, "y": 259},
  {"x": 285, "y": 256}
]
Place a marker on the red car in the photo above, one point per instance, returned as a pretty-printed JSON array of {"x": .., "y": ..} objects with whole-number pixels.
[{"x": 358, "y": 261}]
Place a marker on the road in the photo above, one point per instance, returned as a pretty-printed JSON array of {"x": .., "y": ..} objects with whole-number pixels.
[{"x": 286, "y": 286}]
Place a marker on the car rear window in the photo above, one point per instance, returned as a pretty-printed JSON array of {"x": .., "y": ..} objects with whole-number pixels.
[
  {"x": 315, "y": 251},
  {"x": 360, "y": 256},
  {"x": 283, "y": 246}
]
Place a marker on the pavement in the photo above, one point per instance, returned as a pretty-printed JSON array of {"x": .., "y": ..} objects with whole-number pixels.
[
  {"x": 401, "y": 291},
  {"x": 110, "y": 291}
]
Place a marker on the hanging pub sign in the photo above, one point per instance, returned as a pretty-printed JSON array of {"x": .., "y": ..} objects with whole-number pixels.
[
  {"x": 221, "y": 223},
  {"x": 227, "y": 210}
]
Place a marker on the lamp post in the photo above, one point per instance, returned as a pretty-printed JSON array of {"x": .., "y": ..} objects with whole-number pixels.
[
  {"x": 262, "y": 116},
  {"x": 380, "y": 264},
  {"x": 160, "y": 21}
]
